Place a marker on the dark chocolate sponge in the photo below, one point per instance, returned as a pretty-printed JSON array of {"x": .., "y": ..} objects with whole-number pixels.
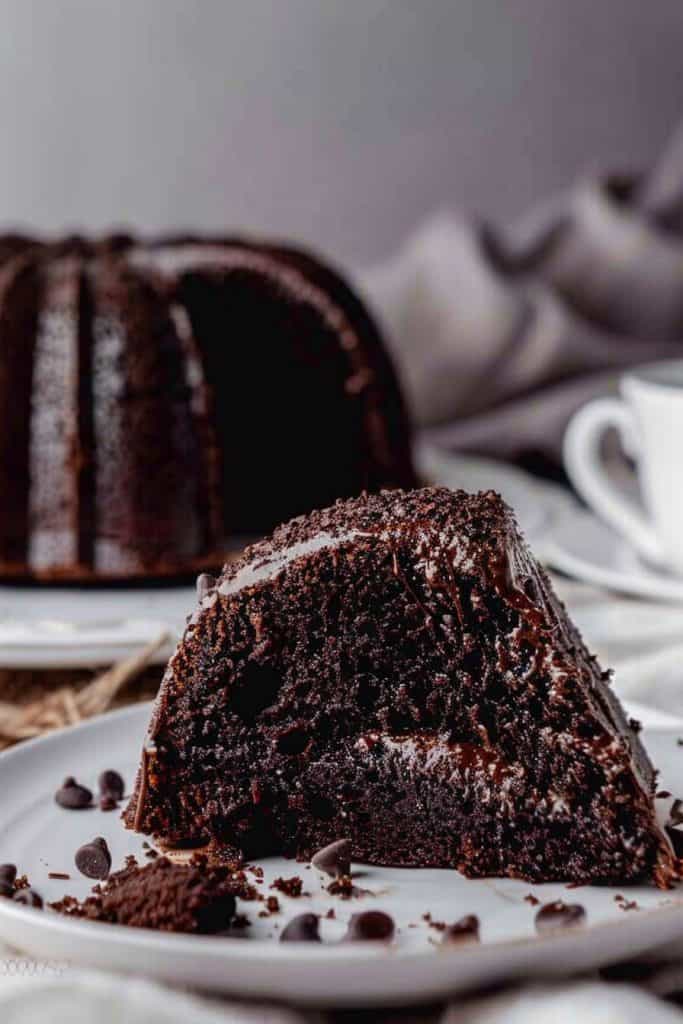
[
  {"x": 156, "y": 397},
  {"x": 397, "y": 669},
  {"x": 161, "y": 895}
]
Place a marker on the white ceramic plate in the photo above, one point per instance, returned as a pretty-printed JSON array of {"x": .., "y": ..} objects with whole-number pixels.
[
  {"x": 46, "y": 627},
  {"x": 583, "y": 546},
  {"x": 40, "y": 837},
  {"x": 64, "y": 627}
]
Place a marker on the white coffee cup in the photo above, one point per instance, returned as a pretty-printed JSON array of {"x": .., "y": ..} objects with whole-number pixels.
[{"x": 649, "y": 420}]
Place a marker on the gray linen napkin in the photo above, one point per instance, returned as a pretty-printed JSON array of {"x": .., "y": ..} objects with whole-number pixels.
[{"x": 500, "y": 336}]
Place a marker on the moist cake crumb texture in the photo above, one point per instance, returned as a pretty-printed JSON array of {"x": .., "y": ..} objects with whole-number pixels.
[
  {"x": 397, "y": 669},
  {"x": 164, "y": 896}
]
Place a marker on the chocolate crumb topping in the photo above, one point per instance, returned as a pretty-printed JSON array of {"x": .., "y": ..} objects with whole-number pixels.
[
  {"x": 464, "y": 930},
  {"x": 343, "y": 886},
  {"x": 289, "y": 886}
]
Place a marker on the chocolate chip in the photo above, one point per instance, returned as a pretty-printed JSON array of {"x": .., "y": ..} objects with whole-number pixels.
[
  {"x": 555, "y": 916},
  {"x": 464, "y": 930},
  {"x": 6, "y": 889},
  {"x": 303, "y": 928},
  {"x": 205, "y": 584},
  {"x": 94, "y": 859},
  {"x": 29, "y": 898},
  {"x": 73, "y": 796},
  {"x": 8, "y": 872},
  {"x": 111, "y": 784},
  {"x": 674, "y": 827},
  {"x": 370, "y": 926},
  {"x": 108, "y": 802},
  {"x": 676, "y": 813},
  {"x": 674, "y": 830},
  {"x": 335, "y": 859}
]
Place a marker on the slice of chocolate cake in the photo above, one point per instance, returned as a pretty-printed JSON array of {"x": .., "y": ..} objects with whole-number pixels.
[{"x": 396, "y": 669}]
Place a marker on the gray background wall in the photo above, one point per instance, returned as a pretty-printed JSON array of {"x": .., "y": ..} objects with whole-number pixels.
[{"x": 339, "y": 121}]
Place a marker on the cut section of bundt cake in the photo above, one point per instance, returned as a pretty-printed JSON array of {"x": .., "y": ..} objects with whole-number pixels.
[
  {"x": 397, "y": 670},
  {"x": 157, "y": 397}
]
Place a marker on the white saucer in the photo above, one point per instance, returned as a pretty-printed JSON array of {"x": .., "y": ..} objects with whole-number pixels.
[
  {"x": 42, "y": 627},
  {"x": 41, "y": 837},
  {"x": 582, "y": 546}
]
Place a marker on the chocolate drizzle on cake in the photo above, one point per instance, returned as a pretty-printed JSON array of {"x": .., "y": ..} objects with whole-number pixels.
[{"x": 396, "y": 669}]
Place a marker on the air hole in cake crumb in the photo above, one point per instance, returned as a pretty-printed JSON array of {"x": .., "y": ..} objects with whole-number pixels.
[
  {"x": 585, "y": 730},
  {"x": 367, "y": 693},
  {"x": 255, "y": 690},
  {"x": 401, "y": 721},
  {"x": 322, "y": 808},
  {"x": 486, "y": 720},
  {"x": 293, "y": 741}
]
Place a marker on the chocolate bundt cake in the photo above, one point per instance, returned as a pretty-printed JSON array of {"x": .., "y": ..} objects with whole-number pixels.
[
  {"x": 159, "y": 396},
  {"x": 397, "y": 670}
]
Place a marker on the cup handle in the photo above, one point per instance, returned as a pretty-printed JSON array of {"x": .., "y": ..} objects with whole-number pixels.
[{"x": 583, "y": 462}]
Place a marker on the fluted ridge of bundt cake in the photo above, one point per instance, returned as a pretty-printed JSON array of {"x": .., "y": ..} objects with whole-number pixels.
[
  {"x": 158, "y": 396},
  {"x": 396, "y": 669}
]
